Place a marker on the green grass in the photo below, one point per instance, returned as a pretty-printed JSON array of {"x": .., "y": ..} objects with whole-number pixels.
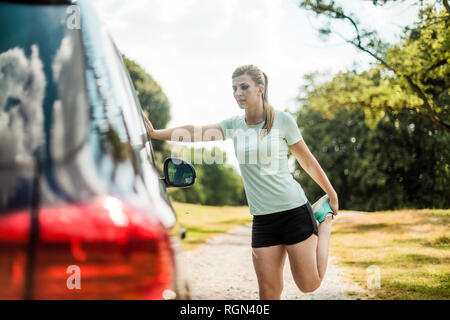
[
  {"x": 433, "y": 212},
  {"x": 205, "y": 222},
  {"x": 410, "y": 248}
]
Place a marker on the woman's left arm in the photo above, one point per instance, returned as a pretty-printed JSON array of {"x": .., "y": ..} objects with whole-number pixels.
[{"x": 310, "y": 164}]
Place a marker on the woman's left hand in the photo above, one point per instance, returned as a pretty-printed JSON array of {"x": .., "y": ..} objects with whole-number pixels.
[{"x": 334, "y": 204}]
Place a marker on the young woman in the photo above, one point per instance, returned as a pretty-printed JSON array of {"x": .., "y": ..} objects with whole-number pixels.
[{"x": 283, "y": 221}]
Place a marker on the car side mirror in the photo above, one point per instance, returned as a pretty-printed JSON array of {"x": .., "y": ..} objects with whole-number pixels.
[{"x": 178, "y": 173}]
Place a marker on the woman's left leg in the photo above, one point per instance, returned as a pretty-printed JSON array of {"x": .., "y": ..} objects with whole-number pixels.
[{"x": 308, "y": 259}]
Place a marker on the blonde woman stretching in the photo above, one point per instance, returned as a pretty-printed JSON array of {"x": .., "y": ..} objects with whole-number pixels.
[{"x": 283, "y": 221}]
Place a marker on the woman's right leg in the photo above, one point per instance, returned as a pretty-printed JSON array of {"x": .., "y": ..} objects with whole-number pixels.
[{"x": 269, "y": 265}]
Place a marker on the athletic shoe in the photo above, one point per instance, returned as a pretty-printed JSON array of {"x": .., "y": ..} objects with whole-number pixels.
[{"x": 321, "y": 208}]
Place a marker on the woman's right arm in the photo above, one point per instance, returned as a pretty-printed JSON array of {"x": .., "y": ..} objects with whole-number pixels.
[{"x": 187, "y": 133}]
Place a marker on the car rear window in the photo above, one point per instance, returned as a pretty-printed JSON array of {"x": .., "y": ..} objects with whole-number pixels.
[{"x": 44, "y": 111}]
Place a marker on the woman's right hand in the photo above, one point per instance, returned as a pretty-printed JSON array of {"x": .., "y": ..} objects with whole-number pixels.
[{"x": 148, "y": 124}]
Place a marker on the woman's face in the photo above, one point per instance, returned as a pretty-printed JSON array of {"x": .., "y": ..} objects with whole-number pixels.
[{"x": 246, "y": 91}]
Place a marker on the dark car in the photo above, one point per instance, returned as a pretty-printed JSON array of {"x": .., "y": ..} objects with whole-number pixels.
[{"x": 83, "y": 211}]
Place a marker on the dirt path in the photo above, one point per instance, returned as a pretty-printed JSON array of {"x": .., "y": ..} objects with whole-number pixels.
[{"x": 222, "y": 268}]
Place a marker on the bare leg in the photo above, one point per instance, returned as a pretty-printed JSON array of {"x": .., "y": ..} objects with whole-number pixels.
[
  {"x": 269, "y": 265},
  {"x": 323, "y": 245},
  {"x": 308, "y": 259}
]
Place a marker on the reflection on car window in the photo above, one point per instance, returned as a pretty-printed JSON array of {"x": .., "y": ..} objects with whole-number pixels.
[
  {"x": 70, "y": 110},
  {"x": 124, "y": 94},
  {"x": 109, "y": 139},
  {"x": 130, "y": 104},
  {"x": 22, "y": 85},
  {"x": 43, "y": 104}
]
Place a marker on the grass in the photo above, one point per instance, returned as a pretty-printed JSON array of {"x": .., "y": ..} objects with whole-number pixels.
[
  {"x": 205, "y": 222},
  {"x": 409, "y": 248}
]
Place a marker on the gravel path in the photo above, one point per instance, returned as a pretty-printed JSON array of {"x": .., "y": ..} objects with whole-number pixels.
[{"x": 222, "y": 268}]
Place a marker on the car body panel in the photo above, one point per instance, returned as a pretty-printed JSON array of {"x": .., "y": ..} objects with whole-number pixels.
[{"x": 78, "y": 185}]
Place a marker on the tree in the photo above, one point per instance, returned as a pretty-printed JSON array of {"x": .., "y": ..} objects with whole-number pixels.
[
  {"x": 153, "y": 100},
  {"x": 155, "y": 104},
  {"x": 413, "y": 75},
  {"x": 403, "y": 162}
]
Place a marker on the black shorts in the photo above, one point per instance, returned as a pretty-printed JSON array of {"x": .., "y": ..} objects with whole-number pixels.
[{"x": 284, "y": 227}]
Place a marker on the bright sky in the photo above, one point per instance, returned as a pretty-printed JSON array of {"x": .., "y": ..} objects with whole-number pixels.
[{"x": 191, "y": 48}]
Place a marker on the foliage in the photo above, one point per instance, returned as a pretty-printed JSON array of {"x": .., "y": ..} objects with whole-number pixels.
[
  {"x": 412, "y": 75},
  {"x": 381, "y": 135},
  {"x": 402, "y": 163},
  {"x": 153, "y": 100},
  {"x": 217, "y": 184}
]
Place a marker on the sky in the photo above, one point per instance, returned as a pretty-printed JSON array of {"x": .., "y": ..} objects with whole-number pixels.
[{"x": 191, "y": 48}]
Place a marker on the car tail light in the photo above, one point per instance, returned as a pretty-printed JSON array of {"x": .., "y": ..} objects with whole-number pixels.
[
  {"x": 14, "y": 232},
  {"x": 105, "y": 249}
]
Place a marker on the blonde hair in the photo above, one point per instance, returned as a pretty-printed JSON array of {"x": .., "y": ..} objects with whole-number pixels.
[{"x": 259, "y": 77}]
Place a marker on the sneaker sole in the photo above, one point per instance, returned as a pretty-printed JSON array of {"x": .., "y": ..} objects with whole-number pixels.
[{"x": 316, "y": 206}]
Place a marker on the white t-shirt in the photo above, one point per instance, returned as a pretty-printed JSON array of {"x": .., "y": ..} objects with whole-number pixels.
[{"x": 269, "y": 185}]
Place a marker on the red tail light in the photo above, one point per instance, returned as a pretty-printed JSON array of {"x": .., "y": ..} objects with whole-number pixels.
[
  {"x": 102, "y": 250},
  {"x": 14, "y": 232}
]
